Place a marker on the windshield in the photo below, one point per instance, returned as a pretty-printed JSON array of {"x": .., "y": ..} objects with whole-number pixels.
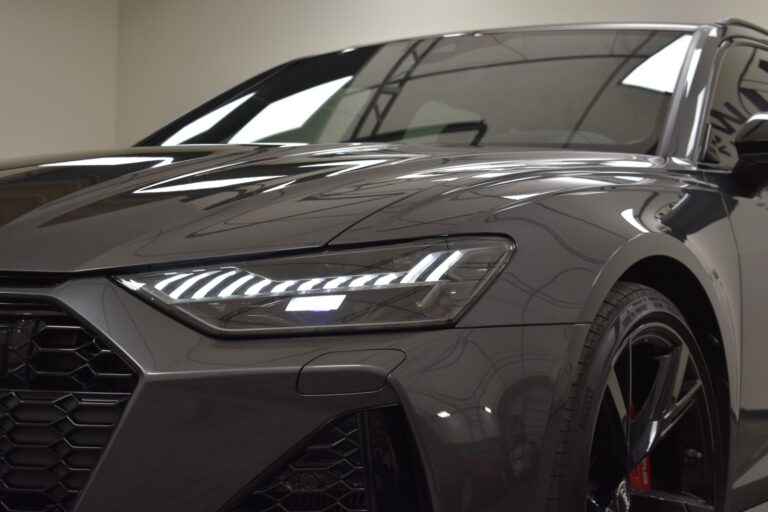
[{"x": 583, "y": 89}]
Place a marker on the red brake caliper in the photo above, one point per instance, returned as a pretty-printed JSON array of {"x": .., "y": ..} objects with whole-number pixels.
[{"x": 640, "y": 476}]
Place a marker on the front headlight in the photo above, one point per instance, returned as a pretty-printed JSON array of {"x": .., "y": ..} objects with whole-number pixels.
[{"x": 427, "y": 282}]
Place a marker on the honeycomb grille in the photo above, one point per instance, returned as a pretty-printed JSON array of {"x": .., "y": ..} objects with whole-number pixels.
[
  {"x": 361, "y": 462},
  {"x": 62, "y": 393},
  {"x": 329, "y": 475}
]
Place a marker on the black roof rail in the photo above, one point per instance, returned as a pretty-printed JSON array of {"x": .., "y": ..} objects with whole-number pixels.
[{"x": 738, "y": 22}]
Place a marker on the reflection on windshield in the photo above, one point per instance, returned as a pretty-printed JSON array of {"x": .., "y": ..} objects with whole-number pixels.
[
  {"x": 660, "y": 72},
  {"x": 206, "y": 122},
  {"x": 288, "y": 113},
  {"x": 598, "y": 89}
]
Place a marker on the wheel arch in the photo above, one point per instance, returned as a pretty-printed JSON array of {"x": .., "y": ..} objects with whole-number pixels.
[{"x": 664, "y": 263}]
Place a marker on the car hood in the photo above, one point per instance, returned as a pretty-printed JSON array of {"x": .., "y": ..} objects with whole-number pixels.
[{"x": 150, "y": 206}]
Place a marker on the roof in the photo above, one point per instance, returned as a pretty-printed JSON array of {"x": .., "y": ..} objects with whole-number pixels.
[
  {"x": 682, "y": 27},
  {"x": 738, "y": 22}
]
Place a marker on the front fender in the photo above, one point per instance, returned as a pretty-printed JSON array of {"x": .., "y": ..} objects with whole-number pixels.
[{"x": 575, "y": 236}]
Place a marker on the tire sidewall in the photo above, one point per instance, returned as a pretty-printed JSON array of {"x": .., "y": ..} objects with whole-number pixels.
[{"x": 608, "y": 339}]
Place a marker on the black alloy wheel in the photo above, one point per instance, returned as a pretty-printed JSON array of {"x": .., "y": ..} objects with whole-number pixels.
[{"x": 641, "y": 422}]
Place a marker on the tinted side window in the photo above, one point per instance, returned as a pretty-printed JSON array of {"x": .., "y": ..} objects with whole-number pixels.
[{"x": 741, "y": 91}]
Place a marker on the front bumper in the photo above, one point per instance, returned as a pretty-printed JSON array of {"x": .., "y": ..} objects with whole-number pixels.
[{"x": 208, "y": 416}]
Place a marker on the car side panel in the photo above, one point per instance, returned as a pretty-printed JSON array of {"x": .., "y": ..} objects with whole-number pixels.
[{"x": 750, "y": 460}]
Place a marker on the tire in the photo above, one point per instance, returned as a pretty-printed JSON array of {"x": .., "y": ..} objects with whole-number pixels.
[{"x": 641, "y": 382}]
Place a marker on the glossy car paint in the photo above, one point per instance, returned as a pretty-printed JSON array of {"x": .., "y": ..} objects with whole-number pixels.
[{"x": 210, "y": 415}]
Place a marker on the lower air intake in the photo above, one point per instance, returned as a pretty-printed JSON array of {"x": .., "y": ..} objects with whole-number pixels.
[
  {"x": 362, "y": 462},
  {"x": 62, "y": 393}
]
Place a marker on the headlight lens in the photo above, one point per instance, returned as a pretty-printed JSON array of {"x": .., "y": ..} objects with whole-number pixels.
[{"x": 427, "y": 282}]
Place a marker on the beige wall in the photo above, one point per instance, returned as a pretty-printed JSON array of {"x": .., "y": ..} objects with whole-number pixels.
[
  {"x": 58, "y": 75},
  {"x": 68, "y": 66}
]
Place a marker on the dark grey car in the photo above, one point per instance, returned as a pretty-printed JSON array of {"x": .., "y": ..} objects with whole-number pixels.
[{"x": 512, "y": 270}]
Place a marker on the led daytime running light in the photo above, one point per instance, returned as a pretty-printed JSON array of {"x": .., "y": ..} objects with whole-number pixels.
[{"x": 230, "y": 283}]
